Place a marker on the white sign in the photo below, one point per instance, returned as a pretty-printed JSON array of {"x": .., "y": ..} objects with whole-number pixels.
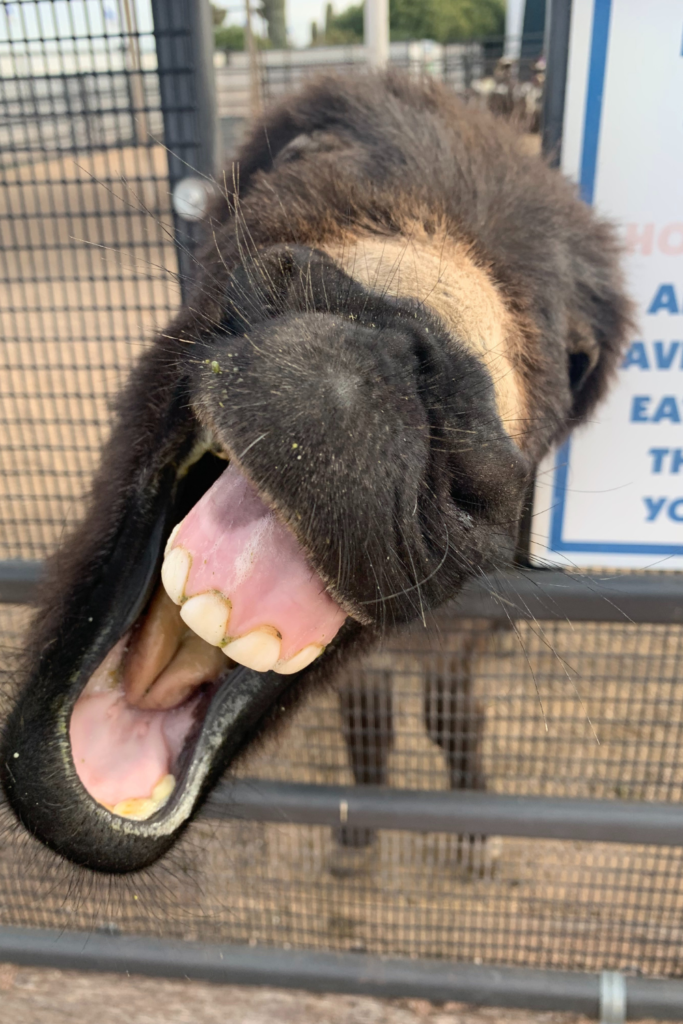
[{"x": 613, "y": 495}]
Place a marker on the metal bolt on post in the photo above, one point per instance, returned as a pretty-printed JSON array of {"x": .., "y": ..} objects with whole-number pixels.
[{"x": 191, "y": 197}]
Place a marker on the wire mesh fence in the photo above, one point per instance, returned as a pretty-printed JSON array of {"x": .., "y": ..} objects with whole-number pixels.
[
  {"x": 86, "y": 241},
  {"x": 479, "y": 72},
  {"x": 89, "y": 271},
  {"x": 481, "y": 899}
]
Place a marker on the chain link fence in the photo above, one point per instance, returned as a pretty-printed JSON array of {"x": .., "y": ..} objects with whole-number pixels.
[{"x": 103, "y": 105}]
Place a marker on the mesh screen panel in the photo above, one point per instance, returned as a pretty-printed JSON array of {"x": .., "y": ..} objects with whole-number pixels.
[
  {"x": 87, "y": 273},
  {"x": 472, "y": 712},
  {"x": 540, "y": 903},
  {"x": 86, "y": 245},
  {"x": 472, "y": 70}
]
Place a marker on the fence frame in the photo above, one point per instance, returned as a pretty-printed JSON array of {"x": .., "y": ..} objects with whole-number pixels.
[{"x": 184, "y": 56}]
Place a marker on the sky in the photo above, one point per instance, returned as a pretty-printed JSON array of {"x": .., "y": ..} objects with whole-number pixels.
[
  {"x": 68, "y": 17},
  {"x": 300, "y": 14}
]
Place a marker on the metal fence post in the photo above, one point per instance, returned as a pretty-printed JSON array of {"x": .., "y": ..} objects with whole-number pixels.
[
  {"x": 376, "y": 32},
  {"x": 557, "y": 54},
  {"x": 558, "y": 20},
  {"x": 612, "y": 998},
  {"x": 184, "y": 43}
]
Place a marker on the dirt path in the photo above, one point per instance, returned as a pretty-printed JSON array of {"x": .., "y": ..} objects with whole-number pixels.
[{"x": 65, "y": 997}]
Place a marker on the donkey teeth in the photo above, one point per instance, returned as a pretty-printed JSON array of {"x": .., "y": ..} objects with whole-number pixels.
[
  {"x": 142, "y": 807},
  {"x": 207, "y": 615},
  {"x": 259, "y": 649},
  {"x": 169, "y": 542},
  {"x": 174, "y": 573},
  {"x": 299, "y": 661}
]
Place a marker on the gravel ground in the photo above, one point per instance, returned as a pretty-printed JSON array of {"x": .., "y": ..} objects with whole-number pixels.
[{"x": 33, "y": 996}]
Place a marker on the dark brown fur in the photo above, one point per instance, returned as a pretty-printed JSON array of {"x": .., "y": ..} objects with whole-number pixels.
[{"x": 409, "y": 483}]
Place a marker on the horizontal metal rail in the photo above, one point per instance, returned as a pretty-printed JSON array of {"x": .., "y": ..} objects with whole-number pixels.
[
  {"x": 551, "y": 594},
  {"x": 473, "y": 813},
  {"x": 517, "y": 594},
  {"x": 19, "y": 581},
  {"x": 356, "y": 973}
]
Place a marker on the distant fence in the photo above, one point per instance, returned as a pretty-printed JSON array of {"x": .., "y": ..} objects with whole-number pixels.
[{"x": 470, "y": 69}]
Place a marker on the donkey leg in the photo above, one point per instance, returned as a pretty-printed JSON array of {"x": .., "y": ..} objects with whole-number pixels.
[
  {"x": 454, "y": 720},
  {"x": 365, "y": 700}
]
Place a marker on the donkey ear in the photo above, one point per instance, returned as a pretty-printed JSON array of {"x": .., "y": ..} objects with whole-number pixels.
[{"x": 309, "y": 144}]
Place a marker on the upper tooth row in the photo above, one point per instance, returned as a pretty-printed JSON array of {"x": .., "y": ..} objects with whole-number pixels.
[{"x": 207, "y": 615}]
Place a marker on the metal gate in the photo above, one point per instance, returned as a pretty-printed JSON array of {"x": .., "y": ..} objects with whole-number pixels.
[{"x": 488, "y": 812}]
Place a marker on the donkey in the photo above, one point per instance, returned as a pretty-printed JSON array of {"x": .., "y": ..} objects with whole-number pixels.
[{"x": 395, "y": 314}]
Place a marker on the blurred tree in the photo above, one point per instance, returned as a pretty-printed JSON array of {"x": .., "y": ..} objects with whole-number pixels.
[
  {"x": 446, "y": 21},
  {"x": 340, "y": 29},
  {"x": 233, "y": 37},
  {"x": 229, "y": 37},
  {"x": 218, "y": 14},
  {"x": 274, "y": 13}
]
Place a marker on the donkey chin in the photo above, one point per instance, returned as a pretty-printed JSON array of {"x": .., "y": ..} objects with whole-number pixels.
[{"x": 391, "y": 324}]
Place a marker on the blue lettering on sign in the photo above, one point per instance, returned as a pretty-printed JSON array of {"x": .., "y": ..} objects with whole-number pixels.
[
  {"x": 667, "y": 410},
  {"x": 654, "y": 506},
  {"x": 661, "y": 357},
  {"x": 674, "y": 510},
  {"x": 664, "y": 359},
  {"x": 658, "y": 456},
  {"x": 636, "y": 356},
  {"x": 639, "y": 408},
  {"x": 665, "y": 298}
]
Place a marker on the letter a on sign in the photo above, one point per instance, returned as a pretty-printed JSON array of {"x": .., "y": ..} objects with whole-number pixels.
[{"x": 664, "y": 299}]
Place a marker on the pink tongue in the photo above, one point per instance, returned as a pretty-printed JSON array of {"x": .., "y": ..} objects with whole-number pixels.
[{"x": 241, "y": 549}]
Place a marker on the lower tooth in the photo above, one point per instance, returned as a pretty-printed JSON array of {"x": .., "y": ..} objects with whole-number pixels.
[
  {"x": 299, "y": 661},
  {"x": 141, "y": 808},
  {"x": 259, "y": 650},
  {"x": 174, "y": 573},
  {"x": 207, "y": 615}
]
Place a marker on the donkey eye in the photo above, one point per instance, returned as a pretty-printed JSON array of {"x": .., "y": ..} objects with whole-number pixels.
[{"x": 579, "y": 368}]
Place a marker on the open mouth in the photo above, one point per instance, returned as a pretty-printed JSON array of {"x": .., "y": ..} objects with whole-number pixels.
[{"x": 234, "y": 612}]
